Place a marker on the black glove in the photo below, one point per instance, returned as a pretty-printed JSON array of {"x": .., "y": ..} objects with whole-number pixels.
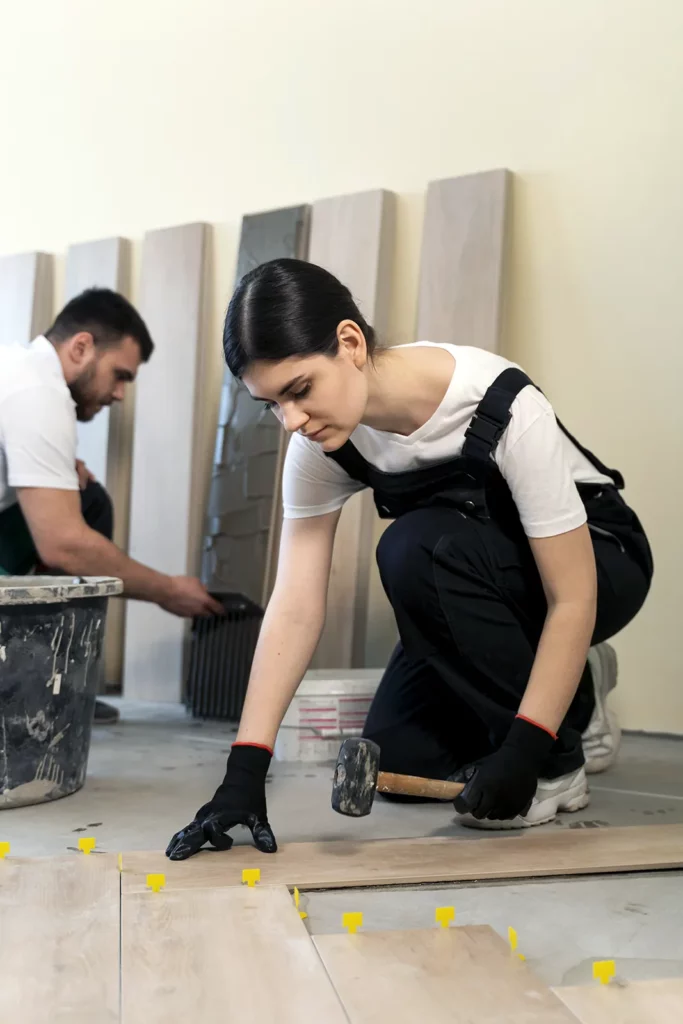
[
  {"x": 239, "y": 800},
  {"x": 502, "y": 785}
]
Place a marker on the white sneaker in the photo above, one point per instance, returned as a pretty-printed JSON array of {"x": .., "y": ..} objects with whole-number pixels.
[
  {"x": 566, "y": 793},
  {"x": 602, "y": 738}
]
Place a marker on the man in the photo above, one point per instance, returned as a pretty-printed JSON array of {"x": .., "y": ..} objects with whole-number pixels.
[{"x": 53, "y": 514}]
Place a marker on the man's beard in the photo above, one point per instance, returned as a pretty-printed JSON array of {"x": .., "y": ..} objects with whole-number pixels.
[{"x": 86, "y": 404}]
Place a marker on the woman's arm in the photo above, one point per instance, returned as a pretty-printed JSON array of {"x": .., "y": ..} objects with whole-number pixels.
[
  {"x": 504, "y": 783},
  {"x": 566, "y": 564},
  {"x": 291, "y": 627}
]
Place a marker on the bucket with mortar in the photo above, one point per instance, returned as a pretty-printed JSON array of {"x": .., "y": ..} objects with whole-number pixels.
[{"x": 51, "y": 638}]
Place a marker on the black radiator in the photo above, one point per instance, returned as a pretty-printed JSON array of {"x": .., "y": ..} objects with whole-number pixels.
[{"x": 221, "y": 653}]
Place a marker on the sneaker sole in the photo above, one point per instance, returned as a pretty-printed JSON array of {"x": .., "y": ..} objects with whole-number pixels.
[{"x": 574, "y": 799}]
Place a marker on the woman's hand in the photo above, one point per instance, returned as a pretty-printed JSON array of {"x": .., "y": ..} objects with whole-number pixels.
[
  {"x": 502, "y": 785},
  {"x": 239, "y": 800}
]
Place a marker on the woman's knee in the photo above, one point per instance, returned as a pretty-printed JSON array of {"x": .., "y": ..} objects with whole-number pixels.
[
  {"x": 402, "y": 549},
  {"x": 405, "y": 553},
  {"x": 396, "y": 754},
  {"x": 410, "y": 750}
]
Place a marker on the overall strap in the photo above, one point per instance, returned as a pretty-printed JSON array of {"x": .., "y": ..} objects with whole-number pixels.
[
  {"x": 614, "y": 474},
  {"x": 493, "y": 414},
  {"x": 351, "y": 460}
]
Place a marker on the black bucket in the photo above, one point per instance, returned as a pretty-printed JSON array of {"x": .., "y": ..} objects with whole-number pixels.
[{"x": 51, "y": 638}]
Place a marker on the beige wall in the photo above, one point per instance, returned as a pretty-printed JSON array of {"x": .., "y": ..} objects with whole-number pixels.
[{"x": 120, "y": 117}]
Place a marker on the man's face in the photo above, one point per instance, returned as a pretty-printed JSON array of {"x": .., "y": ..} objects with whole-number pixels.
[{"x": 104, "y": 377}]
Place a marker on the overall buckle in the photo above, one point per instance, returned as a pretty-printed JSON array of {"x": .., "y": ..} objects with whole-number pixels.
[{"x": 484, "y": 429}]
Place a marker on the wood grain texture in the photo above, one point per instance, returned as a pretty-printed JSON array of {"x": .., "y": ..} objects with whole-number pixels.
[
  {"x": 105, "y": 444},
  {"x": 461, "y": 266},
  {"x": 353, "y": 237},
  {"x": 440, "y": 975},
  {"x": 245, "y": 502},
  {"x": 167, "y": 498},
  {"x": 25, "y": 296},
  {"x": 214, "y": 956},
  {"x": 59, "y": 922},
  {"x": 636, "y": 1002},
  {"x": 533, "y": 854}
]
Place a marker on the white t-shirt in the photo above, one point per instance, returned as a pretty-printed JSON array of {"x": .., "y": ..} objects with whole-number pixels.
[
  {"x": 538, "y": 461},
  {"x": 37, "y": 421}
]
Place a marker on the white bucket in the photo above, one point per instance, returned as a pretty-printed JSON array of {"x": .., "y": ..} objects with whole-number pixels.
[{"x": 329, "y": 706}]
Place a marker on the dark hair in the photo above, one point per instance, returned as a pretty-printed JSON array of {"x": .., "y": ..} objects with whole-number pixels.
[
  {"x": 107, "y": 316},
  {"x": 287, "y": 308}
]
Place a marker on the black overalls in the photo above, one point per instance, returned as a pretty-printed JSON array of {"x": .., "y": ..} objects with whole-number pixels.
[{"x": 469, "y": 603}]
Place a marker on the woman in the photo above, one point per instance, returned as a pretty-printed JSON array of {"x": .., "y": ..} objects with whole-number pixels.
[{"x": 510, "y": 554}]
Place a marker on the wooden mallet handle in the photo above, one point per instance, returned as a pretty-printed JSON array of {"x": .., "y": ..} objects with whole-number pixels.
[{"x": 412, "y": 785}]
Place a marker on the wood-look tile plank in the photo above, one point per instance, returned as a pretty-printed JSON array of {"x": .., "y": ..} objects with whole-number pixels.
[
  {"x": 240, "y": 954},
  {"x": 59, "y": 923},
  {"x": 534, "y": 854}
]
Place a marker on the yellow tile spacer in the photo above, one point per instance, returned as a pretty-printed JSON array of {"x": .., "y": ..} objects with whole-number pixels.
[
  {"x": 352, "y": 922},
  {"x": 297, "y": 898},
  {"x": 4, "y": 850},
  {"x": 250, "y": 876},
  {"x": 119, "y": 861},
  {"x": 87, "y": 844},
  {"x": 156, "y": 882},
  {"x": 444, "y": 916},
  {"x": 604, "y": 971},
  {"x": 512, "y": 939}
]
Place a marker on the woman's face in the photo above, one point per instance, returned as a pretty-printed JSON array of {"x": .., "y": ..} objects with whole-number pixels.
[{"x": 321, "y": 397}]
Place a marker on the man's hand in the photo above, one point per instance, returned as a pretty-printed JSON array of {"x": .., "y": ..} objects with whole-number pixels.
[
  {"x": 187, "y": 597},
  {"x": 239, "y": 800},
  {"x": 84, "y": 475},
  {"x": 502, "y": 785}
]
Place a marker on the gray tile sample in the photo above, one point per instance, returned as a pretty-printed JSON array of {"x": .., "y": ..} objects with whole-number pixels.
[{"x": 245, "y": 499}]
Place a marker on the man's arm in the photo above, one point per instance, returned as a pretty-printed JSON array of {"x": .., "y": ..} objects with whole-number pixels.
[{"x": 63, "y": 539}]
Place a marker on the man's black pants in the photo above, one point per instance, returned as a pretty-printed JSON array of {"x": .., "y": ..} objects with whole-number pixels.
[
  {"x": 18, "y": 555},
  {"x": 470, "y": 609},
  {"x": 97, "y": 509}
]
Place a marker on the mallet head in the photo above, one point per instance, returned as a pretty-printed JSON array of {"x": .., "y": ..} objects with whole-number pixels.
[{"x": 355, "y": 777}]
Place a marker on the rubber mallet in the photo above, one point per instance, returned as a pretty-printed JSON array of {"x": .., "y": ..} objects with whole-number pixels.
[{"x": 357, "y": 778}]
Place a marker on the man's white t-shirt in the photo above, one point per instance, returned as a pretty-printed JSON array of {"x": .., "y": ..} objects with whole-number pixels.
[
  {"x": 538, "y": 461},
  {"x": 37, "y": 421}
]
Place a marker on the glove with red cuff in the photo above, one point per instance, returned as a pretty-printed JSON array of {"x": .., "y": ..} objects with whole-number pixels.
[
  {"x": 502, "y": 785},
  {"x": 239, "y": 800}
]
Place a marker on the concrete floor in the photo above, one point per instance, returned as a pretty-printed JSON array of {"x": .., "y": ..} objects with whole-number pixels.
[{"x": 148, "y": 775}]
